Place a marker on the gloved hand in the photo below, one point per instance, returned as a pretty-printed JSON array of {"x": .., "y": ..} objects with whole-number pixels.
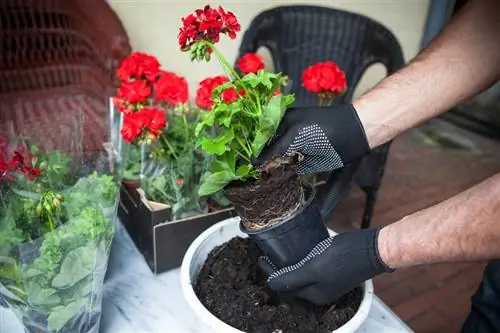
[
  {"x": 327, "y": 137},
  {"x": 335, "y": 266}
]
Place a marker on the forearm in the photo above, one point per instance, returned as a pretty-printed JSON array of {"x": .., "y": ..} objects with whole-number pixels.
[
  {"x": 461, "y": 62},
  {"x": 465, "y": 227}
]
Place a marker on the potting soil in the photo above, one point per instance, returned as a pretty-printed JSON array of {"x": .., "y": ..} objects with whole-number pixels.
[{"x": 232, "y": 287}]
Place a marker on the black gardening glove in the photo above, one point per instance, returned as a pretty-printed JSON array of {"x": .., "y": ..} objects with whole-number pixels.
[
  {"x": 327, "y": 137},
  {"x": 335, "y": 266}
]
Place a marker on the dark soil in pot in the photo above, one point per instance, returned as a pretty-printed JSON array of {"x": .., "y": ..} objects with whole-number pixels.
[
  {"x": 276, "y": 195},
  {"x": 233, "y": 288}
]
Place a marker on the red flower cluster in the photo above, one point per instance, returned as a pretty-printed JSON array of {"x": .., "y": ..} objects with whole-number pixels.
[
  {"x": 147, "y": 122},
  {"x": 207, "y": 24},
  {"x": 205, "y": 90},
  {"x": 143, "y": 85},
  {"x": 139, "y": 66},
  {"x": 16, "y": 163},
  {"x": 324, "y": 77},
  {"x": 171, "y": 89},
  {"x": 230, "y": 95},
  {"x": 134, "y": 92},
  {"x": 251, "y": 63}
]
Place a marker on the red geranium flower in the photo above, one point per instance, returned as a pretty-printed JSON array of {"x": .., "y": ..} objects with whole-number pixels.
[
  {"x": 145, "y": 122},
  {"x": 122, "y": 105},
  {"x": 139, "y": 65},
  {"x": 324, "y": 77},
  {"x": 132, "y": 126},
  {"x": 205, "y": 90},
  {"x": 156, "y": 120},
  {"x": 171, "y": 88},
  {"x": 230, "y": 95},
  {"x": 134, "y": 91},
  {"x": 277, "y": 92},
  {"x": 251, "y": 63},
  {"x": 207, "y": 24},
  {"x": 17, "y": 163}
]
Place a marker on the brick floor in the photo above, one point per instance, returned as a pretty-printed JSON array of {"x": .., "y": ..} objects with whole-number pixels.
[{"x": 426, "y": 165}]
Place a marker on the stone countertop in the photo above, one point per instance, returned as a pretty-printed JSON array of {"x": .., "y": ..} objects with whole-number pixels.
[{"x": 137, "y": 301}]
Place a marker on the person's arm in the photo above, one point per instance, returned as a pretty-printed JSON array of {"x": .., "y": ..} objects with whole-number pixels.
[
  {"x": 465, "y": 227},
  {"x": 461, "y": 62}
]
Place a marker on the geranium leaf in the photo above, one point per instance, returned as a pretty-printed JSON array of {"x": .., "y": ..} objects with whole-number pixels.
[
  {"x": 215, "y": 182},
  {"x": 77, "y": 265},
  {"x": 218, "y": 145},
  {"x": 272, "y": 113},
  {"x": 243, "y": 170}
]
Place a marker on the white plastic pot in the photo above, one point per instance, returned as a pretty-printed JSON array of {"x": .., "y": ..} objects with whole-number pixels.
[{"x": 217, "y": 235}]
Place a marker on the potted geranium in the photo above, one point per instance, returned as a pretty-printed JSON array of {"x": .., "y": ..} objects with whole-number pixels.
[
  {"x": 277, "y": 213},
  {"x": 56, "y": 228}
]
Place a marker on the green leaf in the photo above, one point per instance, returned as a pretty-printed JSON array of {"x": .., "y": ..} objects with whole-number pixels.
[
  {"x": 272, "y": 113},
  {"x": 77, "y": 265},
  {"x": 60, "y": 315},
  {"x": 42, "y": 296},
  {"x": 225, "y": 162},
  {"x": 207, "y": 119},
  {"x": 243, "y": 170},
  {"x": 217, "y": 145},
  {"x": 262, "y": 78},
  {"x": 215, "y": 182}
]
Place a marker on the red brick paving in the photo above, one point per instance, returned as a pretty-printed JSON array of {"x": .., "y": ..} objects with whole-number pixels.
[{"x": 419, "y": 174}]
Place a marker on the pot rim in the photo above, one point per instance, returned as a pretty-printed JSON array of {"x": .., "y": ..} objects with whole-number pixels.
[{"x": 210, "y": 320}]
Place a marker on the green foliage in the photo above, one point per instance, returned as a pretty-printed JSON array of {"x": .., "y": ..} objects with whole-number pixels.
[
  {"x": 49, "y": 260},
  {"x": 236, "y": 132},
  {"x": 172, "y": 166}
]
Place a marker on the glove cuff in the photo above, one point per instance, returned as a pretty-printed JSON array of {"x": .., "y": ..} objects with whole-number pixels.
[
  {"x": 375, "y": 255},
  {"x": 352, "y": 142}
]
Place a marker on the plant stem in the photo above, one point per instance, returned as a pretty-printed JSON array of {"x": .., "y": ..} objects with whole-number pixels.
[
  {"x": 186, "y": 129},
  {"x": 17, "y": 274},
  {"x": 242, "y": 156},
  {"x": 51, "y": 222},
  {"x": 165, "y": 141},
  {"x": 224, "y": 62},
  {"x": 227, "y": 66},
  {"x": 243, "y": 146}
]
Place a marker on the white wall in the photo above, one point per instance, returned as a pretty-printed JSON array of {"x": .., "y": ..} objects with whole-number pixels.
[{"x": 153, "y": 27}]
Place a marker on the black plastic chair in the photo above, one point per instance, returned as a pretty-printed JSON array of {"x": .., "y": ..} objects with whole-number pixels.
[{"x": 299, "y": 36}]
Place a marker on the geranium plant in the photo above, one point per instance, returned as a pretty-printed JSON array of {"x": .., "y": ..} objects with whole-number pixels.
[
  {"x": 159, "y": 120},
  {"x": 246, "y": 110},
  {"x": 56, "y": 228},
  {"x": 244, "y": 116}
]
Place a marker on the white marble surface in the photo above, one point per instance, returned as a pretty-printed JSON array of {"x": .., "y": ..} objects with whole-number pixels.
[{"x": 136, "y": 301}]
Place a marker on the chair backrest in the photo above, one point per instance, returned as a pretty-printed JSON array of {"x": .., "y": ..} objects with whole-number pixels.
[{"x": 299, "y": 36}]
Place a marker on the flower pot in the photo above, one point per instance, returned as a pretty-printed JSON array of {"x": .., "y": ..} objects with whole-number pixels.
[
  {"x": 287, "y": 242},
  {"x": 131, "y": 184},
  {"x": 194, "y": 260}
]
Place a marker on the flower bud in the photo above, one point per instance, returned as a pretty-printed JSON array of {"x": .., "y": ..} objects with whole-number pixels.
[
  {"x": 39, "y": 209},
  {"x": 47, "y": 208}
]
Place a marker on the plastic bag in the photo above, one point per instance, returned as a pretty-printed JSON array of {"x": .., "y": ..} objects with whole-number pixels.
[
  {"x": 172, "y": 167},
  {"x": 58, "y": 201}
]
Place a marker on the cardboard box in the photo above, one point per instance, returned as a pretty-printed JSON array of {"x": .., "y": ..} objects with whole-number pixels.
[{"x": 161, "y": 241}]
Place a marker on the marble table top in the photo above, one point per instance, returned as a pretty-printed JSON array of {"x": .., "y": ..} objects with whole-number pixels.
[{"x": 137, "y": 301}]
